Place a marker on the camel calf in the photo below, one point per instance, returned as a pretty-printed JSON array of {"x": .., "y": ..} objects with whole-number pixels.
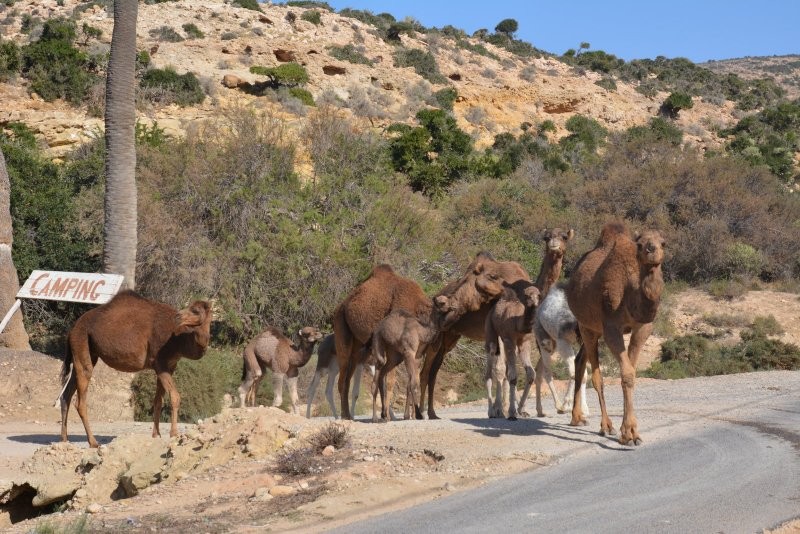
[
  {"x": 511, "y": 321},
  {"x": 405, "y": 337},
  {"x": 131, "y": 333},
  {"x": 271, "y": 349}
]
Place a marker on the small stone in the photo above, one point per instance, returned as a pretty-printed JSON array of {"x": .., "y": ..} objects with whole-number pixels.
[
  {"x": 282, "y": 491},
  {"x": 80, "y": 494},
  {"x": 260, "y": 492},
  {"x": 449, "y": 487},
  {"x": 369, "y": 458},
  {"x": 329, "y": 450},
  {"x": 94, "y": 508},
  {"x": 303, "y": 485}
]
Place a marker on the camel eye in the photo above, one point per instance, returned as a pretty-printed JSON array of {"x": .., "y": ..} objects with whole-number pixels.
[{"x": 663, "y": 244}]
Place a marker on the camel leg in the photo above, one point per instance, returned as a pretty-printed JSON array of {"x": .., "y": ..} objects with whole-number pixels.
[
  {"x": 158, "y": 402},
  {"x": 291, "y": 382},
  {"x": 168, "y": 383},
  {"x": 357, "y": 375},
  {"x": 530, "y": 376},
  {"x": 391, "y": 382},
  {"x": 429, "y": 378},
  {"x": 511, "y": 373},
  {"x": 312, "y": 390},
  {"x": 249, "y": 386},
  {"x": 382, "y": 390},
  {"x": 413, "y": 390},
  {"x": 376, "y": 387},
  {"x": 568, "y": 355},
  {"x": 545, "y": 368},
  {"x": 66, "y": 399},
  {"x": 82, "y": 376},
  {"x": 277, "y": 389},
  {"x": 491, "y": 362},
  {"x": 592, "y": 357},
  {"x": 540, "y": 372},
  {"x": 629, "y": 429}
]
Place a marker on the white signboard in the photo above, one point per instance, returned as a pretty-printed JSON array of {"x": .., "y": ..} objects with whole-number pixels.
[{"x": 88, "y": 288}]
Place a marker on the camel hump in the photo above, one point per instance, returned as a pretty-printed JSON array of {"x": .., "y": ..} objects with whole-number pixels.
[
  {"x": 383, "y": 268},
  {"x": 611, "y": 231}
]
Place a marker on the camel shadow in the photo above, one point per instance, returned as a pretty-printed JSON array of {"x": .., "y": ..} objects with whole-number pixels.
[
  {"x": 49, "y": 439},
  {"x": 497, "y": 427}
]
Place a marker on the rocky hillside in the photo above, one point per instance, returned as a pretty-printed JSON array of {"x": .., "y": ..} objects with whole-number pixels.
[
  {"x": 785, "y": 70},
  {"x": 497, "y": 90}
]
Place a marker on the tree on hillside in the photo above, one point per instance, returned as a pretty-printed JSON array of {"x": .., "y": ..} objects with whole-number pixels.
[
  {"x": 14, "y": 336},
  {"x": 119, "y": 230},
  {"x": 507, "y": 27},
  {"x": 674, "y": 103}
]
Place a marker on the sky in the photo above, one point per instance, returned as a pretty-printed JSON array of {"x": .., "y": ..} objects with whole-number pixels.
[{"x": 699, "y": 30}]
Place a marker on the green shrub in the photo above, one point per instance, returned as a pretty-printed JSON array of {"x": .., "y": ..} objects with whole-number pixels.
[
  {"x": 312, "y": 16},
  {"x": 349, "y": 53},
  {"x": 598, "y": 61},
  {"x": 657, "y": 130},
  {"x": 727, "y": 320},
  {"x": 55, "y": 68},
  {"x": 310, "y": 4},
  {"x": 228, "y": 36},
  {"x": 193, "y": 31},
  {"x": 10, "y": 62},
  {"x": 607, "y": 83},
  {"x": 507, "y": 26},
  {"x": 759, "y": 353},
  {"x": 766, "y": 326},
  {"x": 167, "y": 86},
  {"x": 477, "y": 49},
  {"x": 380, "y": 21},
  {"x": 684, "y": 349},
  {"x": 248, "y": 4},
  {"x": 675, "y": 102},
  {"x": 288, "y": 74},
  {"x": 422, "y": 62},
  {"x": 166, "y": 34},
  {"x": 742, "y": 259},
  {"x": 142, "y": 60},
  {"x": 727, "y": 289},
  {"x": 201, "y": 384},
  {"x": 446, "y": 98},
  {"x": 303, "y": 95}
]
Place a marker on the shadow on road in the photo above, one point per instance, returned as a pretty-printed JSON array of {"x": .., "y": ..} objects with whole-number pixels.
[
  {"x": 498, "y": 427},
  {"x": 47, "y": 439}
]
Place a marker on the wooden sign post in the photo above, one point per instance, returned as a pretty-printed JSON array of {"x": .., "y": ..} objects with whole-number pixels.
[{"x": 86, "y": 288}]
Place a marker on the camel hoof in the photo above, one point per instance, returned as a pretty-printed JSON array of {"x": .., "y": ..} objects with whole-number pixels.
[
  {"x": 432, "y": 415},
  {"x": 512, "y": 417},
  {"x": 524, "y": 414},
  {"x": 637, "y": 441},
  {"x": 579, "y": 422},
  {"x": 541, "y": 414},
  {"x": 561, "y": 411}
]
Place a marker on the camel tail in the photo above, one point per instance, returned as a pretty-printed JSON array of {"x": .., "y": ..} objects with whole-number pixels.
[{"x": 66, "y": 374}]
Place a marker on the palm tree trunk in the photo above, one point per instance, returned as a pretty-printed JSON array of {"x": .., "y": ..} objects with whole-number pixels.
[
  {"x": 14, "y": 336},
  {"x": 119, "y": 232}
]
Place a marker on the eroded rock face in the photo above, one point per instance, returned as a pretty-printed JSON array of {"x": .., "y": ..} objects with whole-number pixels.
[
  {"x": 284, "y": 56},
  {"x": 333, "y": 70}
]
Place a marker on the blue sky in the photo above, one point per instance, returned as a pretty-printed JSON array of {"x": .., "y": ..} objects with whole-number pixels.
[{"x": 699, "y": 30}]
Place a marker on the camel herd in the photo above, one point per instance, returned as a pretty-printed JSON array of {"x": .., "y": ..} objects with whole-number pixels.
[{"x": 388, "y": 320}]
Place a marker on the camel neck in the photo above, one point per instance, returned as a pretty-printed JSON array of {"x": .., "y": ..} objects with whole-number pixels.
[
  {"x": 306, "y": 349},
  {"x": 549, "y": 273},
  {"x": 651, "y": 285}
]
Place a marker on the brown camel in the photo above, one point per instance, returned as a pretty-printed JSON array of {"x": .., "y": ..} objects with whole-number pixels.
[
  {"x": 402, "y": 337},
  {"x": 271, "y": 349},
  {"x": 616, "y": 288},
  {"x": 510, "y": 320},
  {"x": 357, "y": 316},
  {"x": 131, "y": 333},
  {"x": 489, "y": 277},
  {"x": 555, "y": 247}
]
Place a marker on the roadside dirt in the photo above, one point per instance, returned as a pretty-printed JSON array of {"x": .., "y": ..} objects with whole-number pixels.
[{"x": 219, "y": 475}]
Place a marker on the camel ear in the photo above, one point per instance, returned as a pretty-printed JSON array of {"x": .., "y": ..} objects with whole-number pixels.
[
  {"x": 636, "y": 235},
  {"x": 546, "y": 234},
  {"x": 479, "y": 268},
  {"x": 190, "y": 318},
  {"x": 570, "y": 234}
]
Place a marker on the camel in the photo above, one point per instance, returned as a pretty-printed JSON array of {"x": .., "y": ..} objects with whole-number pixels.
[
  {"x": 489, "y": 277},
  {"x": 327, "y": 362},
  {"x": 131, "y": 333},
  {"x": 556, "y": 331},
  {"x": 553, "y": 262},
  {"x": 616, "y": 288},
  {"x": 357, "y": 316},
  {"x": 510, "y": 320},
  {"x": 271, "y": 349},
  {"x": 402, "y": 337}
]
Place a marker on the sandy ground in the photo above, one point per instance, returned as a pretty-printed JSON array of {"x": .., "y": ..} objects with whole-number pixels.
[{"x": 385, "y": 467}]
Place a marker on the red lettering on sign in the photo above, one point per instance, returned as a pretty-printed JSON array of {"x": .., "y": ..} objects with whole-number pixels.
[
  {"x": 97, "y": 284},
  {"x": 33, "y": 286},
  {"x": 82, "y": 291}
]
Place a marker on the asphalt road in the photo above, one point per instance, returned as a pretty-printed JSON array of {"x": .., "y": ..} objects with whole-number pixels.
[{"x": 721, "y": 454}]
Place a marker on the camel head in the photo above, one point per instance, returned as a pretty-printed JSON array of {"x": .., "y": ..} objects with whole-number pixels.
[
  {"x": 650, "y": 248},
  {"x": 197, "y": 316},
  {"x": 488, "y": 279},
  {"x": 447, "y": 311},
  {"x": 532, "y": 296},
  {"x": 310, "y": 334},
  {"x": 556, "y": 241}
]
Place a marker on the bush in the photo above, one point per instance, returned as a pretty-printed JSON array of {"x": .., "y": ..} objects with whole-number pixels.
[
  {"x": 349, "y": 53},
  {"x": 684, "y": 349},
  {"x": 55, "y": 68},
  {"x": 675, "y": 102},
  {"x": 248, "y": 4},
  {"x": 335, "y": 434},
  {"x": 310, "y": 4},
  {"x": 607, "y": 83},
  {"x": 766, "y": 326},
  {"x": 193, "y": 31},
  {"x": 10, "y": 62},
  {"x": 507, "y": 26},
  {"x": 302, "y": 95},
  {"x": 201, "y": 384},
  {"x": 165, "y": 86},
  {"x": 312, "y": 16},
  {"x": 166, "y": 34},
  {"x": 446, "y": 98},
  {"x": 288, "y": 74},
  {"x": 659, "y": 129},
  {"x": 422, "y": 62}
]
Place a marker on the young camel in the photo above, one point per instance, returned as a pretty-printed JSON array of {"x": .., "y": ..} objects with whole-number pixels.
[
  {"x": 357, "y": 316},
  {"x": 131, "y": 333},
  {"x": 616, "y": 287},
  {"x": 476, "y": 291},
  {"x": 271, "y": 349},
  {"x": 510, "y": 320},
  {"x": 402, "y": 337},
  {"x": 327, "y": 363}
]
